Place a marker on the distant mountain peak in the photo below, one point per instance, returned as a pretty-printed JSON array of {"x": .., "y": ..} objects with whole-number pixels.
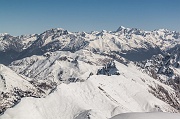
[
  {"x": 120, "y": 28},
  {"x": 162, "y": 30},
  {"x": 4, "y": 34}
]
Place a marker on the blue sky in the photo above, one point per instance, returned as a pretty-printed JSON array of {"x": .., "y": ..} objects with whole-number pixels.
[{"x": 19, "y": 17}]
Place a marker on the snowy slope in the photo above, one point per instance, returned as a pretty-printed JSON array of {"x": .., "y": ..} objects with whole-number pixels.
[
  {"x": 9, "y": 79},
  {"x": 60, "y": 66},
  {"x": 14, "y": 86},
  {"x": 164, "y": 68},
  {"x": 98, "y": 97},
  {"x": 147, "y": 116},
  {"x": 16, "y": 43}
]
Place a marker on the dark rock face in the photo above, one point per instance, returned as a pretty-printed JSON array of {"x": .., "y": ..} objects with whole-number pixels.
[
  {"x": 109, "y": 69},
  {"x": 163, "y": 64},
  {"x": 141, "y": 54}
]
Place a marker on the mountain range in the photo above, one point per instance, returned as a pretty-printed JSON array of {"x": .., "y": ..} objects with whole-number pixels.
[{"x": 96, "y": 75}]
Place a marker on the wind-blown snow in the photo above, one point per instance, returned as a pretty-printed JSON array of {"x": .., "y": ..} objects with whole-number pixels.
[{"x": 156, "y": 115}]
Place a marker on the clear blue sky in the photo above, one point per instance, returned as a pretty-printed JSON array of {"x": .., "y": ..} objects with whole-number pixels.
[{"x": 35, "y": 16}]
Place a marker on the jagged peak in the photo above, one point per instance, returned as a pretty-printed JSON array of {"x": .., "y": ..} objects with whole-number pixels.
[
  {"x": 104, "y": 31},
  {"x": 162, "y": 30},
  {"x": 120, "y": 28},
  {"x": 56, "y": 30},
  {"x": 4, "y": 34}
]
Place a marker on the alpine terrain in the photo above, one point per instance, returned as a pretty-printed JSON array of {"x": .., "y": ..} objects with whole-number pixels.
[{"x": 60, "y": 74}]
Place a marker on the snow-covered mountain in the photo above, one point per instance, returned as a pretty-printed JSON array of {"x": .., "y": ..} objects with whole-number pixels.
[
  {"x": 165, "y": 69},
  {"x": 79, "y": 75},
  {"x": 124, "y": 41},
  {"x": 10, "y": 46},
  {"x": 98, "y": 97},
  {"x": 14, "y": 86}
]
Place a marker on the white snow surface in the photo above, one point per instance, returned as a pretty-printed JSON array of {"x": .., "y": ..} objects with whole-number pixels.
[
  {"x": 99, "y": 97},
  {"x": 9, "y": 79},
  {"x": 157, "y": 115}
]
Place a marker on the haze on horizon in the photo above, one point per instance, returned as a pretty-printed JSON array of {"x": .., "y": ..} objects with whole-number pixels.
[{"x": 35, "y": 16}]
